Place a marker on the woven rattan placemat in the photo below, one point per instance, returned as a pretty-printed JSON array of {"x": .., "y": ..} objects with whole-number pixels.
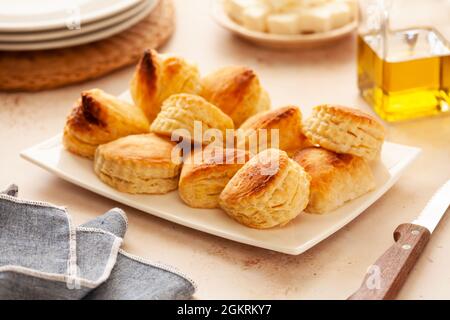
[{"x": 46, "y": 69}]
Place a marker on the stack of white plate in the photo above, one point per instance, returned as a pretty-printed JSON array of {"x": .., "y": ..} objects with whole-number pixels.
[{"x": 50, "y": 24}]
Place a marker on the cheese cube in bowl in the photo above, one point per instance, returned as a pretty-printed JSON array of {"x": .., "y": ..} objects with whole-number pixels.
[
  {"x": 255, "y": 18},
  {"x": 283, "y": 23},
  {"x": 235, "y": 8}
]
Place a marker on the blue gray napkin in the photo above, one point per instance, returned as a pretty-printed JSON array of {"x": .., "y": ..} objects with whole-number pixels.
[{"x": 43, "y": 256}]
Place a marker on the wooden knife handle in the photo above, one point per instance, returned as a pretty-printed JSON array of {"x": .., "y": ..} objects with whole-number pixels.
[{"x": 385, "y": 278}]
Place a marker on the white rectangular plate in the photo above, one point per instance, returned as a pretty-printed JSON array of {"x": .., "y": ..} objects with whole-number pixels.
[{"x": 295, "y": 238}]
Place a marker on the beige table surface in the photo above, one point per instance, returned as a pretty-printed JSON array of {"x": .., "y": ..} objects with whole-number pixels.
[{"x": 224, "y": 269}]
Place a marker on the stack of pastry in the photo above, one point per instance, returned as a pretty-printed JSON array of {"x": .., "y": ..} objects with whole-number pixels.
[{"x": 260, "y": 180}]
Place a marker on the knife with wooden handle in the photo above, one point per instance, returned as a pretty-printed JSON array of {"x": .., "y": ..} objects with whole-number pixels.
[{"x": 385, "y": 278}]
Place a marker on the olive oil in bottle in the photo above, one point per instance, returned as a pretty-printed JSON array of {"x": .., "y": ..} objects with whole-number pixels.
[{"x": 405, "y": 74}]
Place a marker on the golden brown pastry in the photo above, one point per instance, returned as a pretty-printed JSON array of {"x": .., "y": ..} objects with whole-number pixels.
[
  {"x": 182, "y": 112},
  {"x": 345, "y": 130},
  {"x": 288, "y": 123},
  {"x": 206, "y": 172},
  {"x": 158, "y": 76},
  {"x": 138, "y": 164},
  {"x": 268, "y": 191},
  {"x": 98, "y": 118},
  {"x": 335, "y": 178},
  {"x": 237, "y": 91}
]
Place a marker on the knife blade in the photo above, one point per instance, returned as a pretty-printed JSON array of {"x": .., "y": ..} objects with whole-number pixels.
[
  {"x": 435, "y": 209},
  {"x": 387, "y": 275}
]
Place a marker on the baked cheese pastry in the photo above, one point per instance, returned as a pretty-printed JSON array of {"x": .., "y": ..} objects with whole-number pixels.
[
  {"x": 268, "y": 191},
  {"x": 159, "y": 76},
  {"x": 335, "y": 178},
  {"x": 345, "y": 130},
  {"x": 98, "y": 118},
  {"x": 139, "y": 164},
  {"x": 206, "y": 172},
  {"x": 289, "y": 136},
  {"x": 182, "y": 112},
  {"x": 237, "y": 91}
]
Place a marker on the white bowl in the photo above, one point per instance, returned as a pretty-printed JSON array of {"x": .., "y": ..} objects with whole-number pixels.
[{"x": 279, "y": 41}]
